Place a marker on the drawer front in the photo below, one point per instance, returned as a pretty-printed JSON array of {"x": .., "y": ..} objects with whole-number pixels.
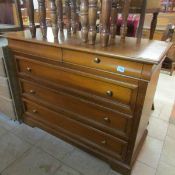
[
  {"x": 105, "y": 63},
  {"x": 45, "y": 51},
  {"x": 111, "y": 91},
  {"x": 2, "y": 69},
  {"x": 4, "y": 87},
  {"x": 104, "y": 142},
  {"x": 92, "y": 114}
]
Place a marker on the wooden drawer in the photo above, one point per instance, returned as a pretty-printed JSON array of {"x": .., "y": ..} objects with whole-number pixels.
[
  {"x": 2, "y": 69},
  {"x": 76, "y": 130},
  {"x": 105, "y": 63},
  {"x": 98, "y": 116},
  {"x": 4, "y": 87},
  {"x": 109, "y": 89}
]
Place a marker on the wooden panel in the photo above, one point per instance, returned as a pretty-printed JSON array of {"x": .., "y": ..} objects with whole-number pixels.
[
  {"x": 97, "y": 116},
  {"x": 126, "y": 95},
  {"x": 104, "y": 63},
  {"x": 91, "y": 136},
  {"x": 49, "y": 52},
  {"x": 4, "y": 87}
]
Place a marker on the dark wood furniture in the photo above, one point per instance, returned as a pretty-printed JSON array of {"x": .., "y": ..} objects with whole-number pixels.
[
  {"x": 97, "y": 98},
  {"x": 10, "y": 16}
]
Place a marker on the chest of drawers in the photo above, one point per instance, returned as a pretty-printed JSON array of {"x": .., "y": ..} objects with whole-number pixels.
[{"x": 98, "y": 99}]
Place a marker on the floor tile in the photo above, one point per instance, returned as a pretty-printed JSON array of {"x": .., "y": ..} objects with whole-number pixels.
[
  {"x": 86, "y": 164},
  {"x": 2, "y": 130},
  {"x": 55, "y": 146},
  {"x": 168, "y": 153},
  {"x": 171, "y": 131},
  {"x": 157, "y": 128},
  {"x": 113, "y": 173},
  {"x": 65, "y": 170},
  {"x": 150, "y": 153},
  {"x": 29, "y": 134},
  {"x": 11, "y": 147},
  {"x": 33, "y": 162},
  {"x": 164, "y": 169},
  {"x": 142, "y": 169}
]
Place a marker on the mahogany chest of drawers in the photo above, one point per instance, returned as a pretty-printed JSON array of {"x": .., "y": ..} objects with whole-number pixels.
[{"x": 98, "y": 99}]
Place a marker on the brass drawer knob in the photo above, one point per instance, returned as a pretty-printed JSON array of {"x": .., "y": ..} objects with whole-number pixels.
[
  {"x": 34, "y": 111},
  {"x": 106, "y": 119},
  {"x": 32, "y": 91},
  {"x": 29, "y": 69},
  {"x": 109, "y": 93},
  {"x": 97, "y": 60},
  {"x": 104, "y": 142}
]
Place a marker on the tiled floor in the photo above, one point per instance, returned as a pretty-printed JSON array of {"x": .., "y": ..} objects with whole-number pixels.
[{"x": 31, "y": 151}]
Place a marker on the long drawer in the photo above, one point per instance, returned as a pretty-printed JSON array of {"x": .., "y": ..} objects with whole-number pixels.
[
  {"x": 104, "y": 88},
  {"x": 85, "y": 111},
  {"x": 76, "y": 130}
]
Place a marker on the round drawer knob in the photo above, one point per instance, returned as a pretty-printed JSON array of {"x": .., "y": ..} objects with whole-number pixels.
[
  {"x": 106, "y": 119},
  {"x": 109, "y": 93},
  {"x": 28, "y": 69},
  {"x": 97, "y": 60},
  {"x": 34, "y": 111},
  {"x": 32, "y": 91},
  {"x": 104, "y": 142}
]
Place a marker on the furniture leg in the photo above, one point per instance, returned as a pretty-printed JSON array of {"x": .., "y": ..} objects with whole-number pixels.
[{"x": 153, "y": 25}]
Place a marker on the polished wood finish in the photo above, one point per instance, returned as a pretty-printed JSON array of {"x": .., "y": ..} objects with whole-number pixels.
[
  {"x": 30, "y": 10},
  {"x": 105, "y": 17},
  {"x": 53, "y": 10},
  {"x": 153, "y": 25},
  {"x": 84, "y": 19},
  {"x": 60, "y": 15},
  {"x": 42, "y": 17},
  {"x": 97, "y": 98},
  {"x": 92, "y": 21}
]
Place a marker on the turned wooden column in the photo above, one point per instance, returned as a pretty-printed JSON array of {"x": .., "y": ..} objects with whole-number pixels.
[
  {"x": 53, "y": 14},
  {"x": 60, "y": 14},
  {"x": 84, "y": 20},
  {"x": 92, "y": 21},
  {"x": 153, "y": 25},
  {"x": 30, "y": 11},
  {"x": 105, "y": 20},
  {"x": 42, "y": 17},
  {"x": 73, "y": 16},
  {"x": 68, "y": 15},
  {"x": 125, "y": 13},
  {"x": 114, "y": 15}
]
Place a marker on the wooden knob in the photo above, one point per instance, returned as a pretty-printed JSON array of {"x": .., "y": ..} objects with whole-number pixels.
[
  {"x": 106, "y": 119},
  {"x": 28, "y": 69},
  {"x": 34, "y": 111},
  {"x": 97, "y": 60},
  {"x": 104, "y": 142},
  {"x": 32, "y": 91},
  {"x": 109, "y": 93}
]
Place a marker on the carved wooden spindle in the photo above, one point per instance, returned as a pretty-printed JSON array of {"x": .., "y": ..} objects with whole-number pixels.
[
  {"x": 68, "y": 15},
  {"x": 60, "y": 14},
  {"x": 42, "y": 17},
  {"x": 114, "y": 15},
  {"x": 53, "y": 10},
  {"x": 30, "y": 10},
  {"x": 92, "y": 21},
  {"x": 106, "y": 12},
  {"x": 125, "y": 13},
  {"x": 84, "y": 19},
  {"x": 73, "y": 16},
  {"x": 153, "y": 25}
]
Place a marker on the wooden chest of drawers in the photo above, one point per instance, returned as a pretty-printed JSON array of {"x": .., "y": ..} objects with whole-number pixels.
[{"x": 96, "y": 98}]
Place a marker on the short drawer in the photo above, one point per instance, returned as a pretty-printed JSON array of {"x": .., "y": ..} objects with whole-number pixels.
[
  {"x": 98, "y": 116},
  {"x": 94, "y": 86},
  {"x": 4, "y": 87},
  {"x": 6, "y": 107},
  {"x": 79, "y": 131},
  {"x": 114, "y": 65},
  {"x": 2, "y": 68}
]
